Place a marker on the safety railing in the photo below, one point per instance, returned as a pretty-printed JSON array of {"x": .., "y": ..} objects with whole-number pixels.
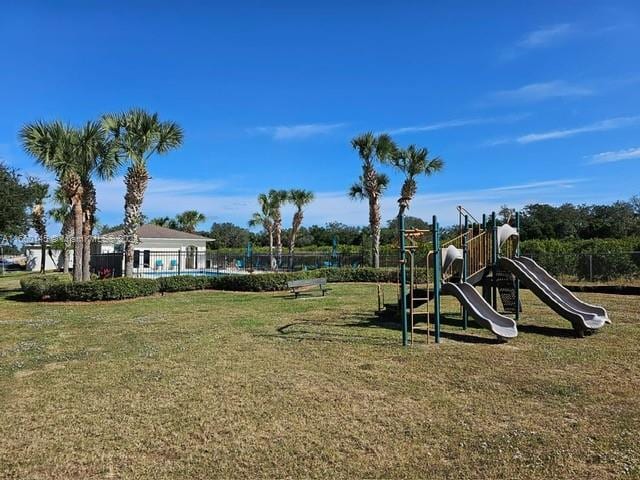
[{"x": 479, "y": 252}]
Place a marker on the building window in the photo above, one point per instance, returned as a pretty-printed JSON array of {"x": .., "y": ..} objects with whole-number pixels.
[
  {"x": 147, "y": 259},
  {"x": 136, "y": 259}
]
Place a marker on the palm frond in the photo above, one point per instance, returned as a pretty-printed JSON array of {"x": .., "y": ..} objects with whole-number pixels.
[
  {"x": 300, "y": 198},
  {"x": 357, "y": 191},
  {"x": 365, "y": 144},
  {"x": 385, "y": 148},
  {"x": 382, "y": 180}
]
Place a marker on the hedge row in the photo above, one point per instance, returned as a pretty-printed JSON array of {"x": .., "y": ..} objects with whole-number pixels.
[
  {"x": 596, "y": 259},
  {"x": 40, "y": 288},
  {"x": 59, "y": 288}
]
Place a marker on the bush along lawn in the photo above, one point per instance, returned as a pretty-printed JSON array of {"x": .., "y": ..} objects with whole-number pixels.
[{"x": 60, "y": 288}]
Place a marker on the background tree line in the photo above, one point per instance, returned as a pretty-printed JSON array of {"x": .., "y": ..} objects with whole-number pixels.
[
  {"x": 620, "y": 219},
  {"x": 582, "y": 222}
]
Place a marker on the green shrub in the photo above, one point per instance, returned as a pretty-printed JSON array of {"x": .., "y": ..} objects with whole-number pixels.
[
  {"x": 55, "y": 288},
  {"x": 183, "y": 283},
  {"x": 110, "y": 289},
  {"x": 259, "y": 282},
  {"x": 37, "y": 287}
]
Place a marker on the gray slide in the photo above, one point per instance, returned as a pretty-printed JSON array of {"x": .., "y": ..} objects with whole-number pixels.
[
  {"x": 480, "y": 310},
  {"x": 581, "y": 315}
]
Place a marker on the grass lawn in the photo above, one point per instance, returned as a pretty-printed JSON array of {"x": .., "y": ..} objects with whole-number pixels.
[{"x": 214, "y": 384}]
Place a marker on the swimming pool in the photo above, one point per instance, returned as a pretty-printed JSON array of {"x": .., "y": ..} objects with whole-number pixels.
[{"x": 190, "y": 272}]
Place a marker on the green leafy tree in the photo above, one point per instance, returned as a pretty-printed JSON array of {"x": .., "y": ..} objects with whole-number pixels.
[
  {"x": 371, "y": 185},
  {"x": 300, "y": 199},
  {"x": 16, "y": 198},
  {"x": 389, "y": 234},
  {"x": 228, "y": 235},
  {"x": 635, "y": 204},
  {"x": 139, "y": 136}
]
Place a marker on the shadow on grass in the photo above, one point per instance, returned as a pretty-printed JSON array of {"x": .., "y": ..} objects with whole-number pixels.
[
  {"x": 299, "y": 331},
  {"x": 447, "y": 319},
  {"x": 547, "y": 331},
  {"x": 14, "y": 296}
]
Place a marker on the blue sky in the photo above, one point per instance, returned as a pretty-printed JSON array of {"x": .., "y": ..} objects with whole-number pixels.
[{"x": 536, "y": 102}]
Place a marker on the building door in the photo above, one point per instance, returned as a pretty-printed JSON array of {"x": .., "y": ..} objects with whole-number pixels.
[{"x": 192, "y": 257}]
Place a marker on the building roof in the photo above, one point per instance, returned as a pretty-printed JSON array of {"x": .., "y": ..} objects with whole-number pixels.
[{"x": 151, "y": 231}]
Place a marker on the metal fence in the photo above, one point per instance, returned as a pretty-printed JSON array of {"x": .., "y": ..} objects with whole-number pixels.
[{"x": 155, "y": 263}]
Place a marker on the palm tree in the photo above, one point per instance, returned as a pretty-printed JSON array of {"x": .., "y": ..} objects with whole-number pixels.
[
  {"x": 412, "y": 162},
  {"x": 139, "y": 136},
  {"x": 300, "y": 199},
  {"x": 166, "y": 222},
  {"x": 188, "y": 220},
  {"x": 97, "y": 155},
  {"x": 39, "y": 219},
  {"x": 53, "y": 145},
  {"x": 264, "y": 218},
  {"x": 372, "y": 184},
  {"x": 62, "y": 214},
  {"x": 277, "y": 198}
]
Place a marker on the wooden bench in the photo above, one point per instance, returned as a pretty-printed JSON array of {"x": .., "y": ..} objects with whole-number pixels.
[{"x": 297, "y": 287}]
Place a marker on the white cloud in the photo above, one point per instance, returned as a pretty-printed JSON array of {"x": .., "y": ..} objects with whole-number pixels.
[
  {"x": 608, "y": 124},
  {"x": 291, "y": 132},
  {"x": 536, "y": 92},
  {"x": 541, "y": 38},
  {"x": 218, "y": 205},
  {"x": 546, "y": 36},
  {"x": 463, "y": 122},
  {"x": 614, "y": 156}
]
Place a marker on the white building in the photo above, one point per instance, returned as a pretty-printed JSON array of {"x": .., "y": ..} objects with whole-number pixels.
[
  {"x": 160, "y": 250},
  {"x": 53, "y": 258}
]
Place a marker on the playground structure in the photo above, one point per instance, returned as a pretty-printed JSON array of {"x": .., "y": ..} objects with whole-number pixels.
[{"x": 483, "y": 254}]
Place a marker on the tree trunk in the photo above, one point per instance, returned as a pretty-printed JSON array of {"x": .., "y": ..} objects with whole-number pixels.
[
  {"x": 136, "y": 181},
  {"x": 77, "y": 236},
  {"x": 72, "y": 187},
  {"x": 370, "y": 180},
  {"x": 89, "y": 207},
  {"x": 67, "y": 228},
  {"x": 43, "y": 255},
  {"x": 374, "y": 224},
  {"x": 40, "y": 226},
  {"x": 295, "y": 227},
  {"x": 272, "y": 260},
  {"x": 277, "y": 226}
]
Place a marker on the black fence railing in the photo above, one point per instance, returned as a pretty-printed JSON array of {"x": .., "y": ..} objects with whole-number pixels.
[{"x": 157, "y": 263}]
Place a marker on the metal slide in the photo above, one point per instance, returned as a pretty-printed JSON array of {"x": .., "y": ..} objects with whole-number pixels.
[
  {"x": 480, "y": 310},
  {"x": 581, "y": 315}
]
